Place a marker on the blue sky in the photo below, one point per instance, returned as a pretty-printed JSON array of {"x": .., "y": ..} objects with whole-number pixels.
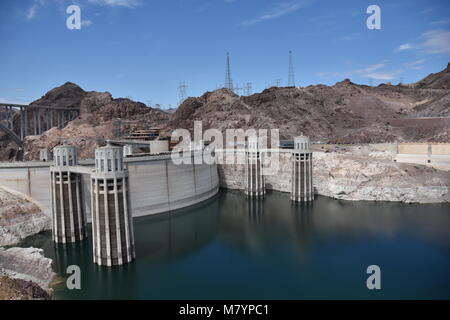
[{"x": 144, "y": 49}]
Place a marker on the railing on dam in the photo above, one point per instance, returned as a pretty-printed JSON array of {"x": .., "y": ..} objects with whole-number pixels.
[{"x": 156, "y": 183}]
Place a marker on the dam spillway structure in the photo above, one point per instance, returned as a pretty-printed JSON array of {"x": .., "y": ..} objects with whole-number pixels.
[
  {"x": 112, "y": 224},
  {"x": 68, "y": 215},
  {"x": 302, "y": 186},
  {"x": 254, "y": 178}
]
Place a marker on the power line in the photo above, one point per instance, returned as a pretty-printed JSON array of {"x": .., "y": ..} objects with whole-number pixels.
[
  {"x": 248, "y": 89},
  {"x": 236, "y": 89},
  {"x": 291, "y": 79},
  {"x": 182, "y": 93},
  {"x": 228, "y": 80}
]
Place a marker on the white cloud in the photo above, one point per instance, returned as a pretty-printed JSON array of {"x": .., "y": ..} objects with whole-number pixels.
[
  {"x": 383, "y": 75},
  {"x": 415, "y": 65},
  {"x": 117, "y": 3},
  {"x": 443, "y": 21},
  {"x": 405, "y": 46},
  {"x": 281, "y": 10},
  {"x": 427, "y": 11},
  {"x": 436, "y": 41},
  {"x": 31, "y": 12},
  {"x": 328, "y": 75},
  {"x": 371, "y": 68},
  {"x": 431, "y": 42},
  {"x": 348, "y": 37},
  {"x": 86, "y": 23},
  {"x": 13, "y": 101},
  {"x": 373, "y": 71}
]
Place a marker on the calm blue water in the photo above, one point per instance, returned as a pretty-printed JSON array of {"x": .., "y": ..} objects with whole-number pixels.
[{"x": 233, "y": 248}]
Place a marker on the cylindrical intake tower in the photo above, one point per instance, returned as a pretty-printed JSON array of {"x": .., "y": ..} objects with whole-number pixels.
[
  {"x": 69, "y": 220},
  {"x": 112, "y": 224},
  {"x": 302, "y": 186},
  {"x": 255, "y": 184}
]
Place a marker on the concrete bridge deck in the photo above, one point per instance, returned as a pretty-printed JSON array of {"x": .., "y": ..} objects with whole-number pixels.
[{"x": 20, "y": 120}]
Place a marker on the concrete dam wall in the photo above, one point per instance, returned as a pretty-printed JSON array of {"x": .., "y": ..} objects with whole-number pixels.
[{"x": 156, "y": 183}]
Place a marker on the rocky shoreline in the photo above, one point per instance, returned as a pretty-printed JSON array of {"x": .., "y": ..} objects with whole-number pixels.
[
  {"x": 24, "y": 272},
  {"x": 358, "y": 173},
  {"x": 20, "y": 217},
  {"x": 18, "y": 289}
]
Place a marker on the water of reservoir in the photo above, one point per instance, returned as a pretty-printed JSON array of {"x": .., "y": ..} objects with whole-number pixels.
[{"x": 233, "y": 248}]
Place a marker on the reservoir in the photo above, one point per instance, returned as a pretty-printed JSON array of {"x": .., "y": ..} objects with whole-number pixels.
[{"x": 230, "y": 247}]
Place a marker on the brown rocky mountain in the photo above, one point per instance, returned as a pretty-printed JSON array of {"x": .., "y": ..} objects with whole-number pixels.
[
  {"x": 101, "y": 117},
  {"x": 68, "y": 95},
  {"x": 440, "y": 80},
  {"x": 100, "y": 105},
  {"x": 343, "y": 113}
]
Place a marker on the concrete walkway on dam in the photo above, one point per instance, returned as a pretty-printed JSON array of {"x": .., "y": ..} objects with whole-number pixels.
[{"x": 156, "y": 184}]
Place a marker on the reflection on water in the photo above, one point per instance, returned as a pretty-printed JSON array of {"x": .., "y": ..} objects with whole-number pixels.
[
  {"x": 233, "y": 247},
  {"x": 260, "y": 220}
]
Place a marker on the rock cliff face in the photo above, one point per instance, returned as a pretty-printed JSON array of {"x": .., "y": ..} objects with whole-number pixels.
[
  {"x": 374, "y": 176},
  {"x": 24, "y": 272},
  {"x": 27, "y": 264},
  {"x": 356, "y": 174},
  {"x": 19, "y": 218}
]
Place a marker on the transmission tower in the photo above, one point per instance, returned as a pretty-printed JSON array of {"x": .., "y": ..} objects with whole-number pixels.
[
  {"x": 248, "y": 89},
  {"x": 228, "y": 80},
  {"x": 291, "y": 79},
  {"x": 182, "y": 92},
  {"x": 277, "y": 82},
  {"x": 236, "y": 89}
]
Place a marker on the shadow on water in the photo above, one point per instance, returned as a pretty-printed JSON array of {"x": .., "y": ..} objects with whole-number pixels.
[{"x": 233, "y": 247}]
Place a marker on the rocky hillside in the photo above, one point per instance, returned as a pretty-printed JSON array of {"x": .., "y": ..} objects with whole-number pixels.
[
  {"x": 101, "y": 117},
  {"x": 343, "y": 113},
  {"x": 99, "y": 106},
  {"x": 19, "y": 218},
  {"x": 440, "y": 80}
]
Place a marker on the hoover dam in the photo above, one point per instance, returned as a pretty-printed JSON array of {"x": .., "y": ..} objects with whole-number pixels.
[{"x": 156, "y": 184}]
